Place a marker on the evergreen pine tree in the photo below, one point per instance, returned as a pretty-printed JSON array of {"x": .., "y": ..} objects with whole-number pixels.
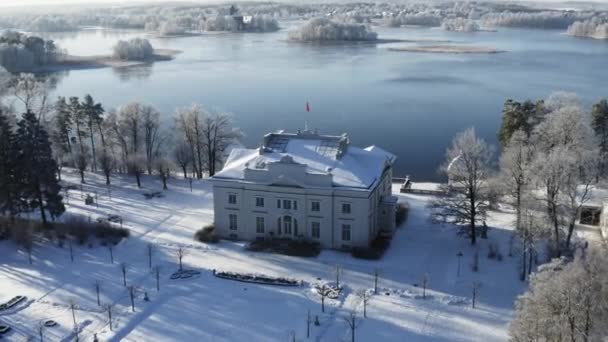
[
  {"x": 9, "y": 182},
  {"x": 79, "y": 120},
  {"x": 63, "y": 124},
  {"x": 93, "y": 113},
  {"x": 37, "y": 169}
]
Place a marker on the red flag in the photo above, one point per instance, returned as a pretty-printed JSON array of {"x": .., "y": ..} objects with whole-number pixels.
[{"x": 307, "y": 107}]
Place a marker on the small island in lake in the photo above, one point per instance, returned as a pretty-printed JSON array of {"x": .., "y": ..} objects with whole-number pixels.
[
  {"x": 455, "y": 49},
  {"x": 23, "y": 53}
]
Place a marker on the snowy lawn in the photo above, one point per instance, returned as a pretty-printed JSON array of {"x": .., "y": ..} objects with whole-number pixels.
[{"x": 207, "y": 308}]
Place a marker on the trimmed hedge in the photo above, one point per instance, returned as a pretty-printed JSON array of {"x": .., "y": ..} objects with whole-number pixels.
[{"x": 206, "y": 234}]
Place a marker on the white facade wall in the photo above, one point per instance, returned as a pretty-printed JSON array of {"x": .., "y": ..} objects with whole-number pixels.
[{"x": 330, "y": 216}]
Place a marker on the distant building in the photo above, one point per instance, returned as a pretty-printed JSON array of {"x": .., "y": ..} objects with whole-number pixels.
[{"x": 306, "y": 186}]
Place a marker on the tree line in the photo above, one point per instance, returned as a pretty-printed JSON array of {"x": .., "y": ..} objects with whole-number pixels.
[
  {"x": 553, "y": 154},
  {"x": 80, "y": 133}
]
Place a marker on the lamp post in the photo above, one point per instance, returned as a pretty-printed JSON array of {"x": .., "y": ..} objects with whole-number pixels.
[{"x": 459, "y": 255}]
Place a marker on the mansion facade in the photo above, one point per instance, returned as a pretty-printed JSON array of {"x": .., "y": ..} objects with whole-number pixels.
[{"x": 306, "y": 186}]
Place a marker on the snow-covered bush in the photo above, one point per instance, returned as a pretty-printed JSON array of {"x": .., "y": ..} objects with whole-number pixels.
[
  {"x": 135, "y": 49},
  {"x": 589, "y": 28},
  {"x": 263, "y": 24},
  {"x": 460, "y": 25},
  {"x": 323, "y": 29}
]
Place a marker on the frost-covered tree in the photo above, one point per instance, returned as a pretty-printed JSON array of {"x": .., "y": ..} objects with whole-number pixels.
[
  {"x": 136, "y": 49},
  {"x": 32, "y": 93},
  {"x": 592, "y": 28},
  {"x": 516, "y": 170},
  {"x": 153, "y": 138},
  {"x": 599, "y": 122},
  {"x": 564, "y": 164},
  {"x": 460, "y": 25},
  {"x": 565, "y": 301},
  {"x": 323, "y": 29},
  {"x": 468, "y": 167}
]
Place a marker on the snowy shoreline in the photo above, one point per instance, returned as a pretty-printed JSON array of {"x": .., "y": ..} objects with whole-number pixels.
[{"x": 96, "y": 62}]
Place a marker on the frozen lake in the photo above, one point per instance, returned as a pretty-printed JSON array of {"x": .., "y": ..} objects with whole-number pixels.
[{"x": 411, "y": 104}]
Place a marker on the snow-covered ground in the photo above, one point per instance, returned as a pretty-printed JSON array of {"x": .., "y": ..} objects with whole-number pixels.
[{"x": 206, "y": 308}]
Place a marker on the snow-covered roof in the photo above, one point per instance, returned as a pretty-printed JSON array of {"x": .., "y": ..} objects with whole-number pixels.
[{"x": 322, "y": 154}]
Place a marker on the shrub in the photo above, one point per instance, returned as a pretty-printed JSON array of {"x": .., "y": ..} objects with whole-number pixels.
[
  {"x": 374, "y": 252},
  {"x": 206, "y": 234},
  {"x": 401, "y": 213}
]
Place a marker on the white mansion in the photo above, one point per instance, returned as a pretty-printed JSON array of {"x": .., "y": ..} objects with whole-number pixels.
[{"x": 306, "y": 186}]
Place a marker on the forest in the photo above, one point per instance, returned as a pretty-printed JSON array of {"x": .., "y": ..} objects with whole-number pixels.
[{"x": 167, "y": 20}]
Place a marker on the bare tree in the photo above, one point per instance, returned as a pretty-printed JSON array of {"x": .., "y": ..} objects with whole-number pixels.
[
  {"x": 516, "y": 169},
  {"x": 365, "y": 297},
  {"x": 123, "y": 269},
  {"x": 218, "y": 135},
  {"x": 468, "y": 168},
  {"x": 188, "y": 122},
  {"x": 532, "y": 229},
  {"x": 107, "y": 163},
  {"x": 324, "y": 291},
  {"x": 73, "y": 309},
  {"x": 353, "y": 323},
  {"x": 163, "y": 167},
  {"x": 109, "y": 311},
  {"x": 151, "y": 133},
  {"x": 136, "y": 166},
  {"x": 425, "y": 283},
  {"x": 82, "y": 162},
  {"x": 183, "y": 156}
]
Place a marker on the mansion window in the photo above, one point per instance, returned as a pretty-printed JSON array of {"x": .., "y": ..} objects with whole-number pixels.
[
  {"x": 315, "y": 206},
  {"x": 232, "y": 221},
  {"x": 259, "y": 225},
  {"x": 346, "y": 232},
  {"x": 286, "y": 204},
  {"x": 316, "y": 230},
  {"x": 345, "y": 208},
  {"x": 259, "y": 202},
  {"x": 232, "y": 198}
]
